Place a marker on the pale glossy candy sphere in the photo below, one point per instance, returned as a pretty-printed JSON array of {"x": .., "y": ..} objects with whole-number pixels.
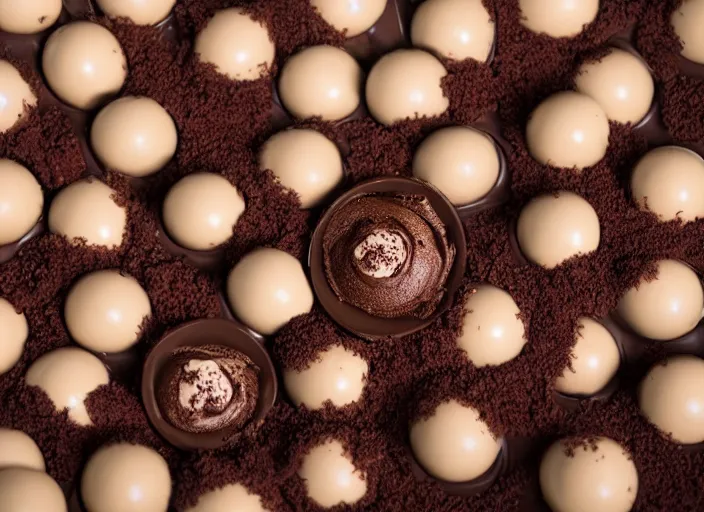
[
  {"x": 15, "y": 96},
  {"x": 13, "y": 335},
  {"x": 28, "y": 16},
  {"x": 18, "y": 450},
  {"x": 353, "y": 16},
  {"x": 140, "y": 12},
  {"x": 21, "y": 201},
  {"x": 688, "y": 20},
  {"x": 29, "y": 490},
  {"x": 558, "y": 18},
  {"x": 223, "y": 499}
]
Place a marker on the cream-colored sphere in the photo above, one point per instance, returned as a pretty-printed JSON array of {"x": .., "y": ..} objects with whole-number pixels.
[
  {"x": 105, "y": 311},
  {"x": 330, "y": 476},
  {"x": 237, "y": 45},
  {"x": 15, "y": 96},
  {"x": 140, "y": 12},
  {"x": 84, "y": 64},
  {"x": 672, "y": 398},
  {"x": 13, "y": 335},
  {"x": 305, "y": 161},
  {"x": 18, "y": 450},
  {"x": 461, "y": 162},
  {"x": 135, "y": 136},
  {"x": 21, "y": 201},
  {"x": 666, "y": 308},
  {"x": 595, "y": 360},
  {"x": 492, "y": 332},
  {"x": 454, "y": 29},
  {"x": 68, "y": 375},
  {"x": 687, "y": 20},
  {"x": 321, "y": 81},
  {"x": 267, "y": 288},
  {"x": 568, "y": 129},
  {"x": 201, "y": 210},
  {"x": 126, "y": 478},
  {"x": 669, "y": 181},
  {"x": 232, "y": 497},
  {"x": 553, "y": 228},
  {"x": 29, "y": 490},
  {"x": 87, "y": 210},
  {"x": 454, "y": 444},
  {"x": 406, "y": 84},
  {"x": 604, "y": 479},
  {"x": 558, "y": 18},
  {"x": 621, "y": 83},
  {"x": 352, "y": 17},
  {"x": 337, "y": 375},
  {"x": 28, "y": 16}
]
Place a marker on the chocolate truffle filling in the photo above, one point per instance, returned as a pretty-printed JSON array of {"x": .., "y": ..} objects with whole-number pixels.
[
  {"x": 388, "y": 255},
  {"x": 208, "y": 388}
]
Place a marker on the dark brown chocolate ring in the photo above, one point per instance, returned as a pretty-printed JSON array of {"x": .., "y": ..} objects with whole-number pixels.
[
  {"x": 217, "y": 331},
  {"x": 571, "y": 403},
  {"x": 354, "y": 319},
  {"x": 8, "y": 251},
  {"x": 388, "y": 33},
  {"x": 211, "y": 260}
]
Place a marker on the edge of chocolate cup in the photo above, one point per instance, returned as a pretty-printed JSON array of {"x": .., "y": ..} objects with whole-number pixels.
[
  {"x": 216, "y": 331},
  {"x": 390, "y": 32},
  {"x": 356, "y": 320},
  {"x": 208, "y": 260},
  {"x": 571, "y": 403},
  {"x": 9, "y": 251}
]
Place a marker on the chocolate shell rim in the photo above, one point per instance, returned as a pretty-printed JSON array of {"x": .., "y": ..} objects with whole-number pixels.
[
  {"x": 354, "y": 319},
  {"x": 214, "y": 331}
]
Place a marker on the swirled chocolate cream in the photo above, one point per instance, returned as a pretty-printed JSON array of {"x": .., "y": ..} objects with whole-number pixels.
[
  {"x": 389, "y": 255},
  {"x": 208, "y": 388}
]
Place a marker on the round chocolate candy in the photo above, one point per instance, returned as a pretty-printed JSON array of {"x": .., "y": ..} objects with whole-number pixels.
[
  {"x": 454, "y": 444},
  {"x": 321, "y": 81},
  {"x": 134, "y": 136},
  {"x": 222, "y": 500},
  {"x": 667, "y": 307},
  {"x": 68, "y": 375},
  {"x": 558, "y": 18},
  {"x": 237, "y": 45},
  {"x": 621, "y": 83},
  {"x": 25, "y": 490},
  {"x": 353, "y": 18},
  {"x": 267, "y": 288},
  {"x": 13, "y": 335},
  {"x": 330, "y": 476},
  {"x": 84, "y": 75},
  {"x": 672, "y": 398},
  {"x": 201, "y": 210},
  {"x": 461, "y": 162},
  {"x": 406, "y": 84},
  {"x": 595, "y": 360},
  {"x": 597, "y": 476},
  {"x": 140, "y": 12},
  {"x": 21, "y": 201},
  {"x": 454, "y": 29},
  {"x": 86, "y": 210},
  {"x": 105, "y": 311},
  {"x": 553, "y": 228},
  {"x": 669, "y": 181},
  {"x": 492, "y": 331},
  {"x": 18, "y": 450},
  {"x": 337, "y": 375},
  {"x": 126, "y": 478},
  {"x": 28, "y": 17},
  {"x": 569, "y": 129},
  {"x": 15, "y": 96},
  {"x": 305, "y": 161},
  {"x": 687, "y": 20}
]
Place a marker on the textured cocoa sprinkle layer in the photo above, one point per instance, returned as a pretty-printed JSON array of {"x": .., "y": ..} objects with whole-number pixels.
[{"x": 222, "y": 125}]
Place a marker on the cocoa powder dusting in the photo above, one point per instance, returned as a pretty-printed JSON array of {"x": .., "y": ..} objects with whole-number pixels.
[{"x": 222, "y": 125}]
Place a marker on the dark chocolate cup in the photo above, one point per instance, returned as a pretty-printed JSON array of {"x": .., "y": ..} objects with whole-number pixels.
[
  {"x": 8, "y": 251},
  {"x": 217, "y": 331},
  {"x": 358, "y": 321}
]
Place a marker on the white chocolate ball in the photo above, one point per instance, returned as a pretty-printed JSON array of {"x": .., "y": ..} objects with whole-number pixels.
[
  {"x": 239, "y": 46},
  {"x": 21, "y": 201},
  {"x": 15, "y": 95},
  {"x": 331, "y": 477},
  {"x": 223, "y": 499},
  {"x": 13, "y": 335},
  {"x": 558, "y": 18},
  {"x": 354, "y": 17},
  {"x": 568, "y": 129},
  {"x": 29, "y": 490},
  {"x": 84, "y": 64},
  {"x": 134, "y": 135},
  {"x": 140, "y": 12},
  {"x": 105, "y": 311},
  {"x": 666, "y": 308},
  {"x": 86, "y": 210},
  {"x": 28, "y": 16},
  {"x": 68, "y": 375},
  {"x": 201, "y": 210},
  {"x": 687, "y": 20},
  {"x": 305, "y": 161},
  {"x": 18, "y": 450}
]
